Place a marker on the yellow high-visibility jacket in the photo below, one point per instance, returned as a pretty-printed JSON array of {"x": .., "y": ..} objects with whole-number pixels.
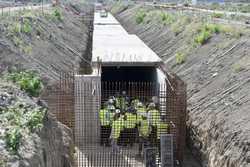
[
  {"x": 144, "y": 128},
  {"x": 131, "y": 121},
  {"x": 117, "y": 127},
  {"x": 105, "y": 117},
  {"x": 162, "y": 128},
  {"x": 154, "y": 117}
]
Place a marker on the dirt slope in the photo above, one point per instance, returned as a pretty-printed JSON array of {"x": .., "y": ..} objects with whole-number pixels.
[
  {"x": 218, "y": 77},
  {"x": 51, "y": 42}
]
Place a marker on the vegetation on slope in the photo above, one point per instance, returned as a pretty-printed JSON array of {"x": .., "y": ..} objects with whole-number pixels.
[
  {"x": 197, "y": 30},
  {"x": 22, "y": 26},
  {"x": 20, "y": 115}
]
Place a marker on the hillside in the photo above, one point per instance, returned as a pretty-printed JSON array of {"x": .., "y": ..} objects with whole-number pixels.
[
  {"x": 48, "y": 42},
  {"x": 214, "y": 60},
  {"x": 35, "y": 48}
]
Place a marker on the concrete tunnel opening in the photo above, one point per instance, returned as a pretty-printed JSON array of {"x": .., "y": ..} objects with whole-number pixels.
[{"x": 129, "y": 74}]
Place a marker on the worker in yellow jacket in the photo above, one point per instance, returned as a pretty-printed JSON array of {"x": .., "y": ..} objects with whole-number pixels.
[
  {"x": 144, "y": 131},
  {"x": 130, "y": 122},
  {"x": 106, "y": 116},
  {"x": 117, "y": 127},
  {"x": 154, "y": 119}
]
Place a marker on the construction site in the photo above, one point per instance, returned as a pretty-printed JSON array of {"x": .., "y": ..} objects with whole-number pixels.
[{"x": 124, "y": 84}]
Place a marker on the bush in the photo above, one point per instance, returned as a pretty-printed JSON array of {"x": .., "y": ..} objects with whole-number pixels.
[
  {"x": 57, "y": 15},
  {"x": 167, "y": 18},
  {"x": 140, "y": 15},
  {"x": 217, "y": 15},
  {"x": 212, "y": 28},
  {"x": 27, "y": 28},
  {"x": 202, "y": 37},
  {"x": 34, "y": 119},
  {"x": 205, "y": 33},
  {"x": 180, "y": 58},
  {"x": 13, "y": 139},
  {"x": 28, "y": 81}
]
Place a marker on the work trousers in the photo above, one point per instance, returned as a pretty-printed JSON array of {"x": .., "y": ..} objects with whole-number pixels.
[
  {"x": 105, "y": 134},
  {"x": 128, "y": 137}
]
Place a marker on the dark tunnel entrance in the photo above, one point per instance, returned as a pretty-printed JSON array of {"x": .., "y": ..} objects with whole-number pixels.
[
  {"x": 138, "y": 82},
  {"x": 129, "y": 74}
]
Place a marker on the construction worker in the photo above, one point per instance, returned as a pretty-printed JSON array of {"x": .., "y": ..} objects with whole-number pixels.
[
  {"x": 162, "y": 128},
  {"x": 154, "y": 119},
  {"x": 130, "y": 122},
  {"x": 141, "y": 109},
  {"x": 106, "y": 117},
  {"x": 144, "y": 131},
  {"x": 122, "y": 102},
  {"x": 117, "y": 127}
]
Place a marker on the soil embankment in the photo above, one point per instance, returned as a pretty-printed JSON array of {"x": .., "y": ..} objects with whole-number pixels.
[
  {"x": 214, "y": 60},
  {"x": 49, "y": 42}
]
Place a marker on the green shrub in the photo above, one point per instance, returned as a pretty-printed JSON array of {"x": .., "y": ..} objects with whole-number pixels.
[
  {"x": 57, "y": 14},
  {"x": 167, "y": 18},
  {"x": 217, "y": 15},
  {"x": 34, "y": 119},
  {"x": 212, "y": 28},
  {"x": 140, "y": 15},
  {"x": 205, "y": 33},
  {"x": 28, "y": 81},
  {"x": 202, "y": 37},
  {"x": 180, "y": 58},
  {"x": 13, "y": 139},
  {"x": 27, "y": 28}
]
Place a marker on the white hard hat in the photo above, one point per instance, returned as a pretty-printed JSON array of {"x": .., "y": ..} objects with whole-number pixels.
[
  {"x": 110, "y": 101},
  {"x": 151, "y": 105},
  {"x": 139, "y": 104},
  {"x": 117, "y": 111}
]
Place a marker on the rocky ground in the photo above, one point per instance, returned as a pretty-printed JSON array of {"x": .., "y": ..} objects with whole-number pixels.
[{"x": 214, "y": 60}]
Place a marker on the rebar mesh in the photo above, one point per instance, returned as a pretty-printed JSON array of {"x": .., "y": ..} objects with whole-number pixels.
[{"x": 77, "y": 101}]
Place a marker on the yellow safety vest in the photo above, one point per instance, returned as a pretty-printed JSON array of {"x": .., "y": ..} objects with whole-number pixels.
[
  {"x": 162, "y": 128},
  {"x": 117, "y": 127},
  {"x": 154, "y": 117},
  {"x": 141, "y": 111},
  {"x": 104, "y": 117},
  {"x": 131, "y": 121},
  {"x": 144, "y": 128}
]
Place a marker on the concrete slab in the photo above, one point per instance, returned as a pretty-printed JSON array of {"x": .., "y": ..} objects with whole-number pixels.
[{"x": 115, "y": 47}]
